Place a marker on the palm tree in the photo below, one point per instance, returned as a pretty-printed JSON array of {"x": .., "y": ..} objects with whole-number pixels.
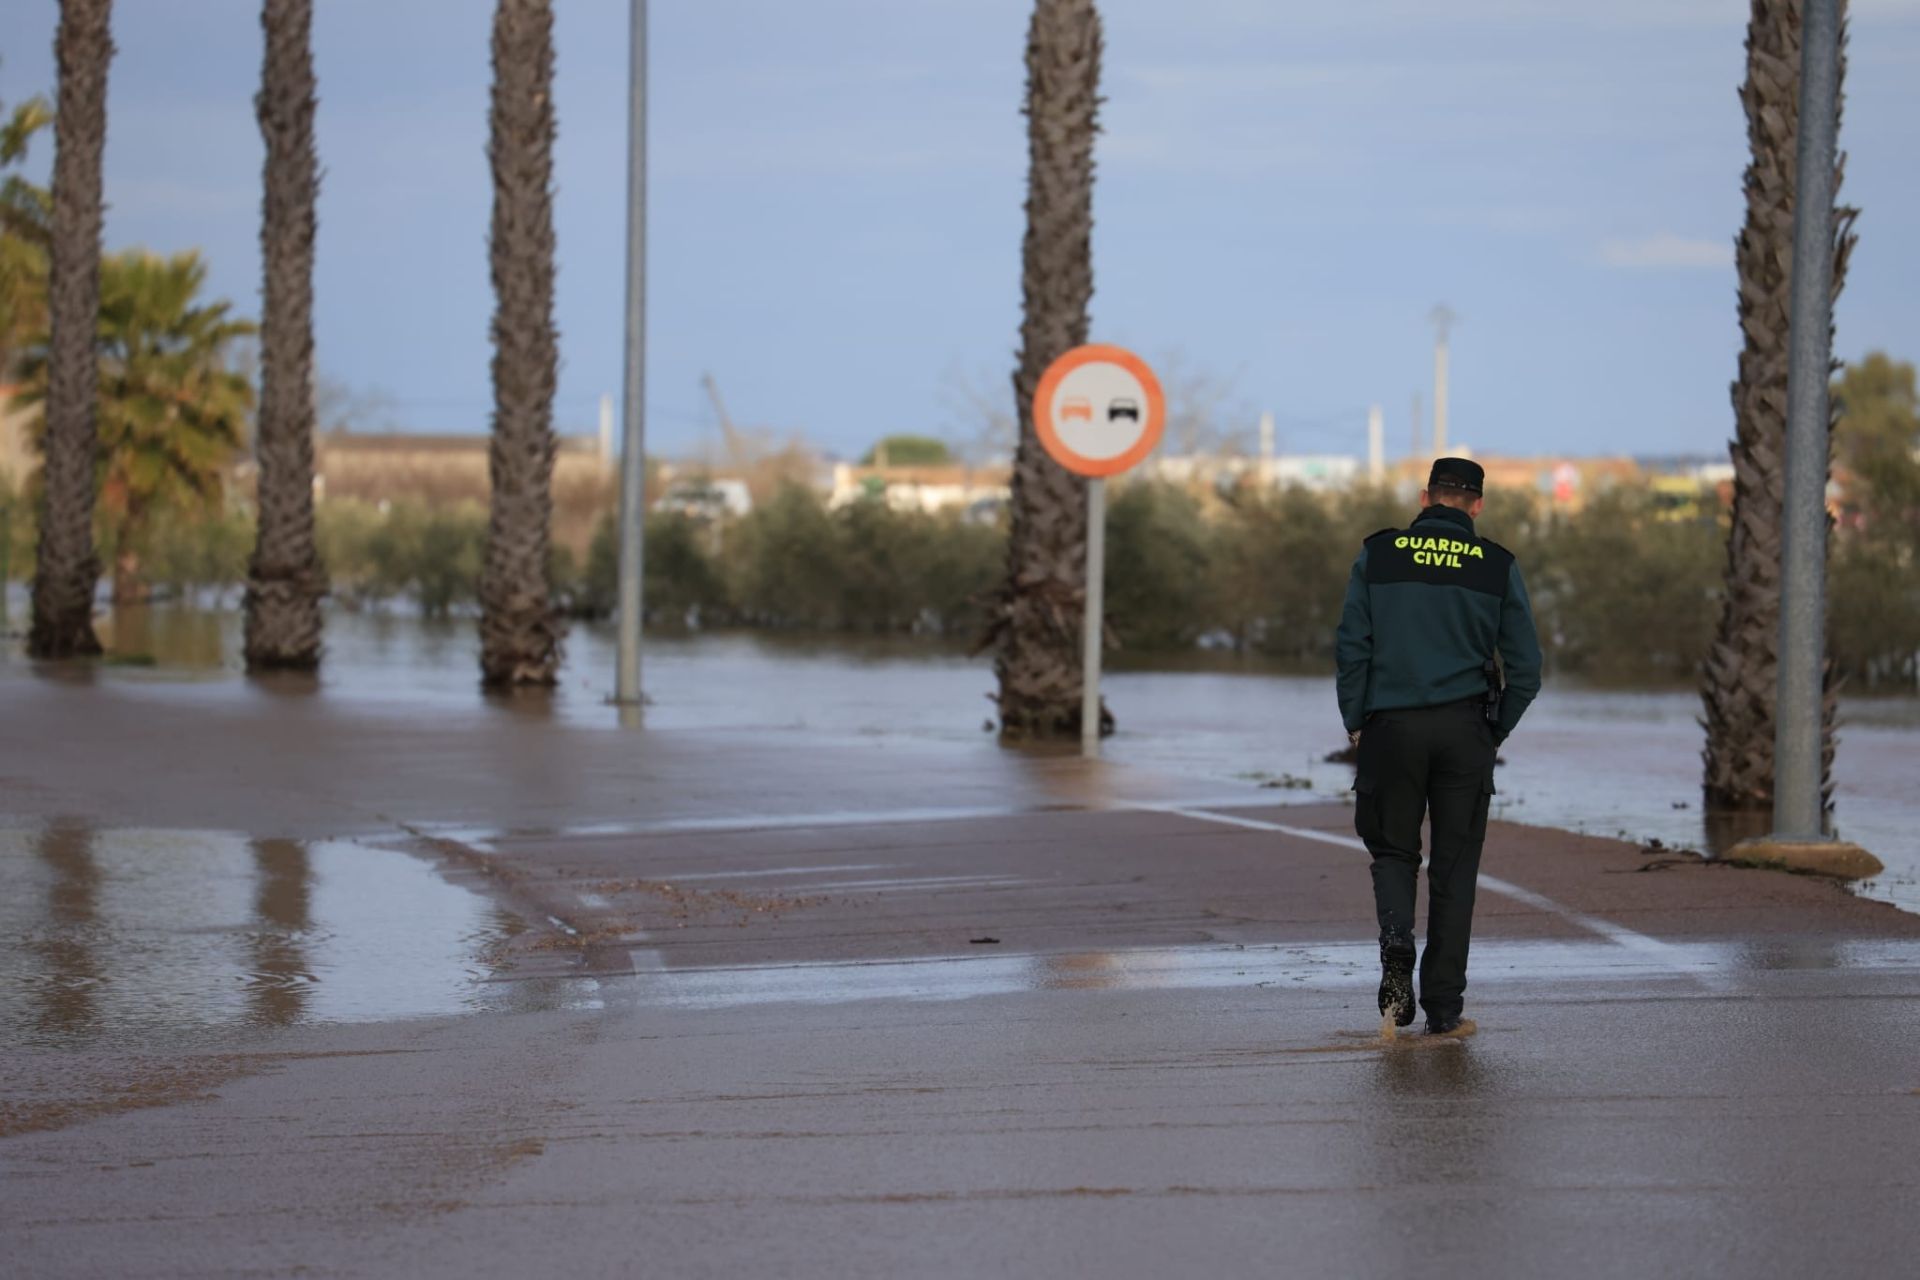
[
  {"x": 171, "y": 407},
  {"x": 284, "y": 578},
  {"x": 1742, "y": 666},
  {"x": 1035, "y": 623},
  {"x": 519, "y": 627},
  {"x": 66, "y": 567}
]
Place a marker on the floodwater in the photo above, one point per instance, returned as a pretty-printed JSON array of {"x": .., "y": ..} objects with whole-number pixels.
[
  {"x": 1607, "y": 762},
  {"x": 1688, "y": 968},
  {"x": 111, "y": 935},
  {"x": 116, "y": 936}
]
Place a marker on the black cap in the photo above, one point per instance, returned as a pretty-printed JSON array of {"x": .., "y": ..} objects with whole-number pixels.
[{"x": 1457, "y": 473}]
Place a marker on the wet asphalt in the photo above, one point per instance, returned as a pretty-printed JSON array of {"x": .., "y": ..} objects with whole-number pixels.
[{"x": 332, "y": 993}]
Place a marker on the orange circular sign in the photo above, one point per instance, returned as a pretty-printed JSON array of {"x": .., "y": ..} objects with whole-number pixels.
[{"x": 1099, "y": 410}]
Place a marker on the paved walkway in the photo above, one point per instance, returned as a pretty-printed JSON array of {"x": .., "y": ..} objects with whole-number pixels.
[{"x": 840, "y": 1008}]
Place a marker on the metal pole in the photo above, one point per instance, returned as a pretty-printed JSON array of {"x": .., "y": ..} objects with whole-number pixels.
[
  {"x": 1798, "y": 806},
  {"x": 633, "y": 450},
  {"x": 1090, "y": 633}
]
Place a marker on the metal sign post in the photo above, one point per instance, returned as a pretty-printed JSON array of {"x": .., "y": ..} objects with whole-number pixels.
[
  {"x": 1098, "y": 410},
  {"x": 1094, "y": 625}
]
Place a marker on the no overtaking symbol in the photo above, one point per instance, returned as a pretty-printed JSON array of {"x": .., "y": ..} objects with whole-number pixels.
[{"x": 1098, "y": 411}]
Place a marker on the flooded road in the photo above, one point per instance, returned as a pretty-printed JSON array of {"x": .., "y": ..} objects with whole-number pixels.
[
  {"x": 1016, "y": 1017},
  {"x": 1350, "y": 970},
  {"x": 109, "y": 938},
  {"x": 1605, "y": 762}
]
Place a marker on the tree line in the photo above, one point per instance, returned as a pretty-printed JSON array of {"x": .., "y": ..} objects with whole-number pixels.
[{"x": 1626, "y": 591}]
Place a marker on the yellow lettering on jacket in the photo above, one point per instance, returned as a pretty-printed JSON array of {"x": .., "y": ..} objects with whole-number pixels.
[{"x": 1445, "y": 553}]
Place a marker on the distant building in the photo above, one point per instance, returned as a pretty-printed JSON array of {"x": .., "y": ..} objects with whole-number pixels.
[
  {"x": 1320, "y": 472},
  {"x": 1564, "y": 483},
  {"x": 386, "y": 467},
  {"x": 928, "y": 489},
  {"x": 706, "y": 498},
  {"x": 451, "y": 469},
  {"x": 1310, "y": 471}
]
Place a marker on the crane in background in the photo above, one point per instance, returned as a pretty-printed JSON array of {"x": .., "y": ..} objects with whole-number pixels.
[{"x": 739, "y": 456}]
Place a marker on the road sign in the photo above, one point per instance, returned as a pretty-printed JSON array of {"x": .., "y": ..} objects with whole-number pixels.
[{"x": 1098, "y": 410}]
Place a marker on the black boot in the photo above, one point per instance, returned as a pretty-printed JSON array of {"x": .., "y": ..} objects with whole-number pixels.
[{"x": 1396, "y": 982}]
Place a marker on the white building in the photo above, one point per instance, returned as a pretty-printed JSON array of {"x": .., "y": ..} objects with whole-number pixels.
[
  {"x": 926, "y": 489},
  {"x": 1320, "y": 472},
  {"x": 707, "y": 499}
]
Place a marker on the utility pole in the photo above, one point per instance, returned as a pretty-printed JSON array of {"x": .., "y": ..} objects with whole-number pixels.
[
  {"x": 633, "y": 446},
  {"x": 1266, "y": 451},
  {"x": 1413, "y": 450},
  {"x": 1442, "y": 321},
  {"x": 1376, "y": 444}
]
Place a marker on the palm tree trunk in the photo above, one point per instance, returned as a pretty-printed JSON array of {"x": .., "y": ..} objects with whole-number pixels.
[
  {"x": 1739, "y": 677},
  {"x": 1037, "y": 613},
  {"x": 66, "y": 565},
  {"x": 519, "y": 627},
  {"x": 284, "y": 579}
]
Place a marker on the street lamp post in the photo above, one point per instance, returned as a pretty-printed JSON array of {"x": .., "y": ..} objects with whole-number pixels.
[
  {"x": 1800, "y": 837},
  {"x": 633, "y": 461},
  {"x": 1799, "y": 808}
]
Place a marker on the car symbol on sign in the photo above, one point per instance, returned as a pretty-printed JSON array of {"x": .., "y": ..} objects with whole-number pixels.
[
  {"x": 1118, "y": 409},
  {"x": 1076, "y": 407}
]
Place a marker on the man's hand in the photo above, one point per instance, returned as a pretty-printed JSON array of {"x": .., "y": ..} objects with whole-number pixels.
[{"x": 1353, "y": 738}]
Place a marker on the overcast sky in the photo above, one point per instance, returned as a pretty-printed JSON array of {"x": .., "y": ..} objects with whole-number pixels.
[{"x": 1285, "y": 191}]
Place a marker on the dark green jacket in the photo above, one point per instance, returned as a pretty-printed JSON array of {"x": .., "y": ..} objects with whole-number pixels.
[{"x": 1426, "y": 607}]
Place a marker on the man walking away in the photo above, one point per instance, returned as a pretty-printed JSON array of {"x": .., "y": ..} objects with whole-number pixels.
[{"x": 1428, "y": 607}]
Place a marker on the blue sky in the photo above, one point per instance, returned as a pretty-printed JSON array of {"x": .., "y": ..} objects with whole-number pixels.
[{"x": 1285, "y": 191}]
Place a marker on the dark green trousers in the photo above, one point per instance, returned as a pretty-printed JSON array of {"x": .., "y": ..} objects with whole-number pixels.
[{"x": 1427, "y": 762}]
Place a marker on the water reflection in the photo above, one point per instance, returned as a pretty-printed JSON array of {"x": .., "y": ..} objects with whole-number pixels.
[
  {"x": 1433, "y": 1116},
  {"x": 278, "y": 985},
  {"x": 290, "y": 685},
  {"x": 1414, "y": 1073},
  {"x": 527, "y": 704},
  {"x": 1325, "y": 967},
  {"x": 176, "y": 637},
  {"x": 68, "y": 985},
  {"x": 112, "y": 936}
]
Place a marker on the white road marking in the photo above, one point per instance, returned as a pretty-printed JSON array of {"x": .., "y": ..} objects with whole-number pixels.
[
  {"x": 687, "y": 877},
  {"x": 1618, "y": 934},
  {"x": 921, "y": 882},
  {"x": 490, "y": 838}
]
